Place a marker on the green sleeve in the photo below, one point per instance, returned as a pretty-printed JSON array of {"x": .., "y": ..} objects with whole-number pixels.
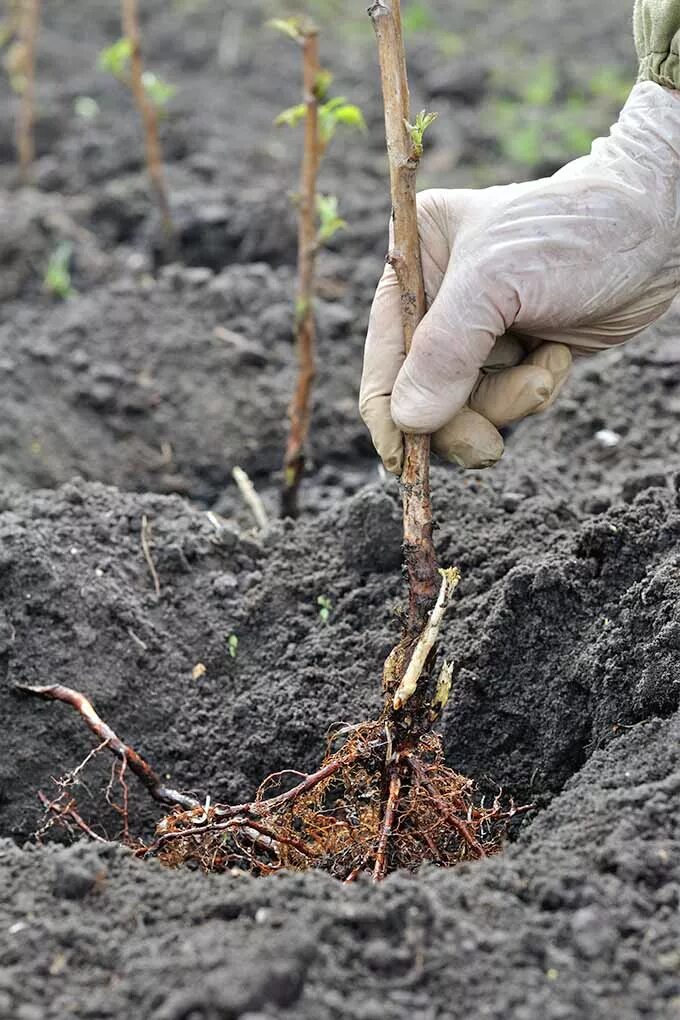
[{"x": 657, "y": 38}]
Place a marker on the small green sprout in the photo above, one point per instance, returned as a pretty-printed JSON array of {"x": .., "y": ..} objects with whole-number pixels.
[
  {"x": 295, "y": 28},
  {"x": 116, "y": 59},
  {"x": 14, "y": 63},
  {"x": 57, "y": 279},
  {"x": 540, "y": 87},
  {"x": 417, "y": 130},
  {"x": 325, "y": 606},
  {"x": 302, "y": 306},
  {"x": 329, "y": 220},
  {"x": 323, "y": 82},
  {"x": 159, "y": 91},
  {"x": 335, "y": 112},
  {"x": 332, "y": 113},
  {"x": 85, "y": 107},
  {"x": 292, "y": 116},
  {"x": 610, "y": 83},
  {"x": 232, "y": 645}
]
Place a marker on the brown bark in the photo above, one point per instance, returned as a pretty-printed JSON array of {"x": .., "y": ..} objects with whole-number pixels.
[
  {"x": 28, "y": 33},
  {"x": 419, "y": 554},
  {"x": 305, "y": 333},
  {"x": 149, "y": 115}
]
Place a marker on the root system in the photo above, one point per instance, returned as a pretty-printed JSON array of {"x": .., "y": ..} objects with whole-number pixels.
[{"x": 366, "y": 809}]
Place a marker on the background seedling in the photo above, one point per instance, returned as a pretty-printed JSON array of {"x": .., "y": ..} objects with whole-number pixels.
[
  {"x": 123, "y": 59},
  {"x": 540, "y": 120},
  {"x": 232, "y": 645},
  {"x": 318, "y": 222},
  {"x": 57, "y": 280},
  {"x": 325, "y": 606},
  {"x": 20, "y": 64}
]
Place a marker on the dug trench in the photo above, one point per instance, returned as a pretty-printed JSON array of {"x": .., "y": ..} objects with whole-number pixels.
[{"x": 564, "y": 636}]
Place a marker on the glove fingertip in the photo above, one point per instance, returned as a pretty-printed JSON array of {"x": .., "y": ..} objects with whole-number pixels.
[{"x": 469, "y": 440}]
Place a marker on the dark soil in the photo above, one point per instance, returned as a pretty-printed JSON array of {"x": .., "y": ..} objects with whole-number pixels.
[{"x": 565, "y": 635}]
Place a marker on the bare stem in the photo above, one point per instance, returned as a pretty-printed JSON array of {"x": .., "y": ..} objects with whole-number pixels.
[
  {"x": 305, "y": 334},
  {"x": 149, "y": 115},
  {"x": 29, "y": 24},
  {"x": 128, "y": 756},
  {"x": 404, "y": 257}
]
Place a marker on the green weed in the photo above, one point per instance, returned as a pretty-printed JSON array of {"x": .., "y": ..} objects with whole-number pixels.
[
  {"x": 325, "y": 606},
  {"x": 57, "y": 279}
]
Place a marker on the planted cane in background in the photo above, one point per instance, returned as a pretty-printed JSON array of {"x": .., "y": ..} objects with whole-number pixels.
[
  {"x": 124, "y": 61},
  {"x": 318, "y": 221}
]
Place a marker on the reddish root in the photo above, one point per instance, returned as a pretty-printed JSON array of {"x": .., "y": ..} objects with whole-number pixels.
[
  {"x": 62, "y": 811},
  {"x": 128, "y": 755}
]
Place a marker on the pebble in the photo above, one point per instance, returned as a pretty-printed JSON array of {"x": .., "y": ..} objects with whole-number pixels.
[
  {"x": 593, "y": 936},
  {"x": 607, "y": 438},
  {"x": 28, "y": 1011},
  {"x": 510, "y": 501}
]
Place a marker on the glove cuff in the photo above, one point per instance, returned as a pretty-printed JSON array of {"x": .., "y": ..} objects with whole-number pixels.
[{"x": 657, "y": 39}]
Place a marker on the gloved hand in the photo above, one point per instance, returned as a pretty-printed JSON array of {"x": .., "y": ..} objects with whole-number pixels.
[{"x": 520, "y": 278}]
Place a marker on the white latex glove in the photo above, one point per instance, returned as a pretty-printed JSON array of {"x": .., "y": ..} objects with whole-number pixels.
[{"x": 572, "y": 264}]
